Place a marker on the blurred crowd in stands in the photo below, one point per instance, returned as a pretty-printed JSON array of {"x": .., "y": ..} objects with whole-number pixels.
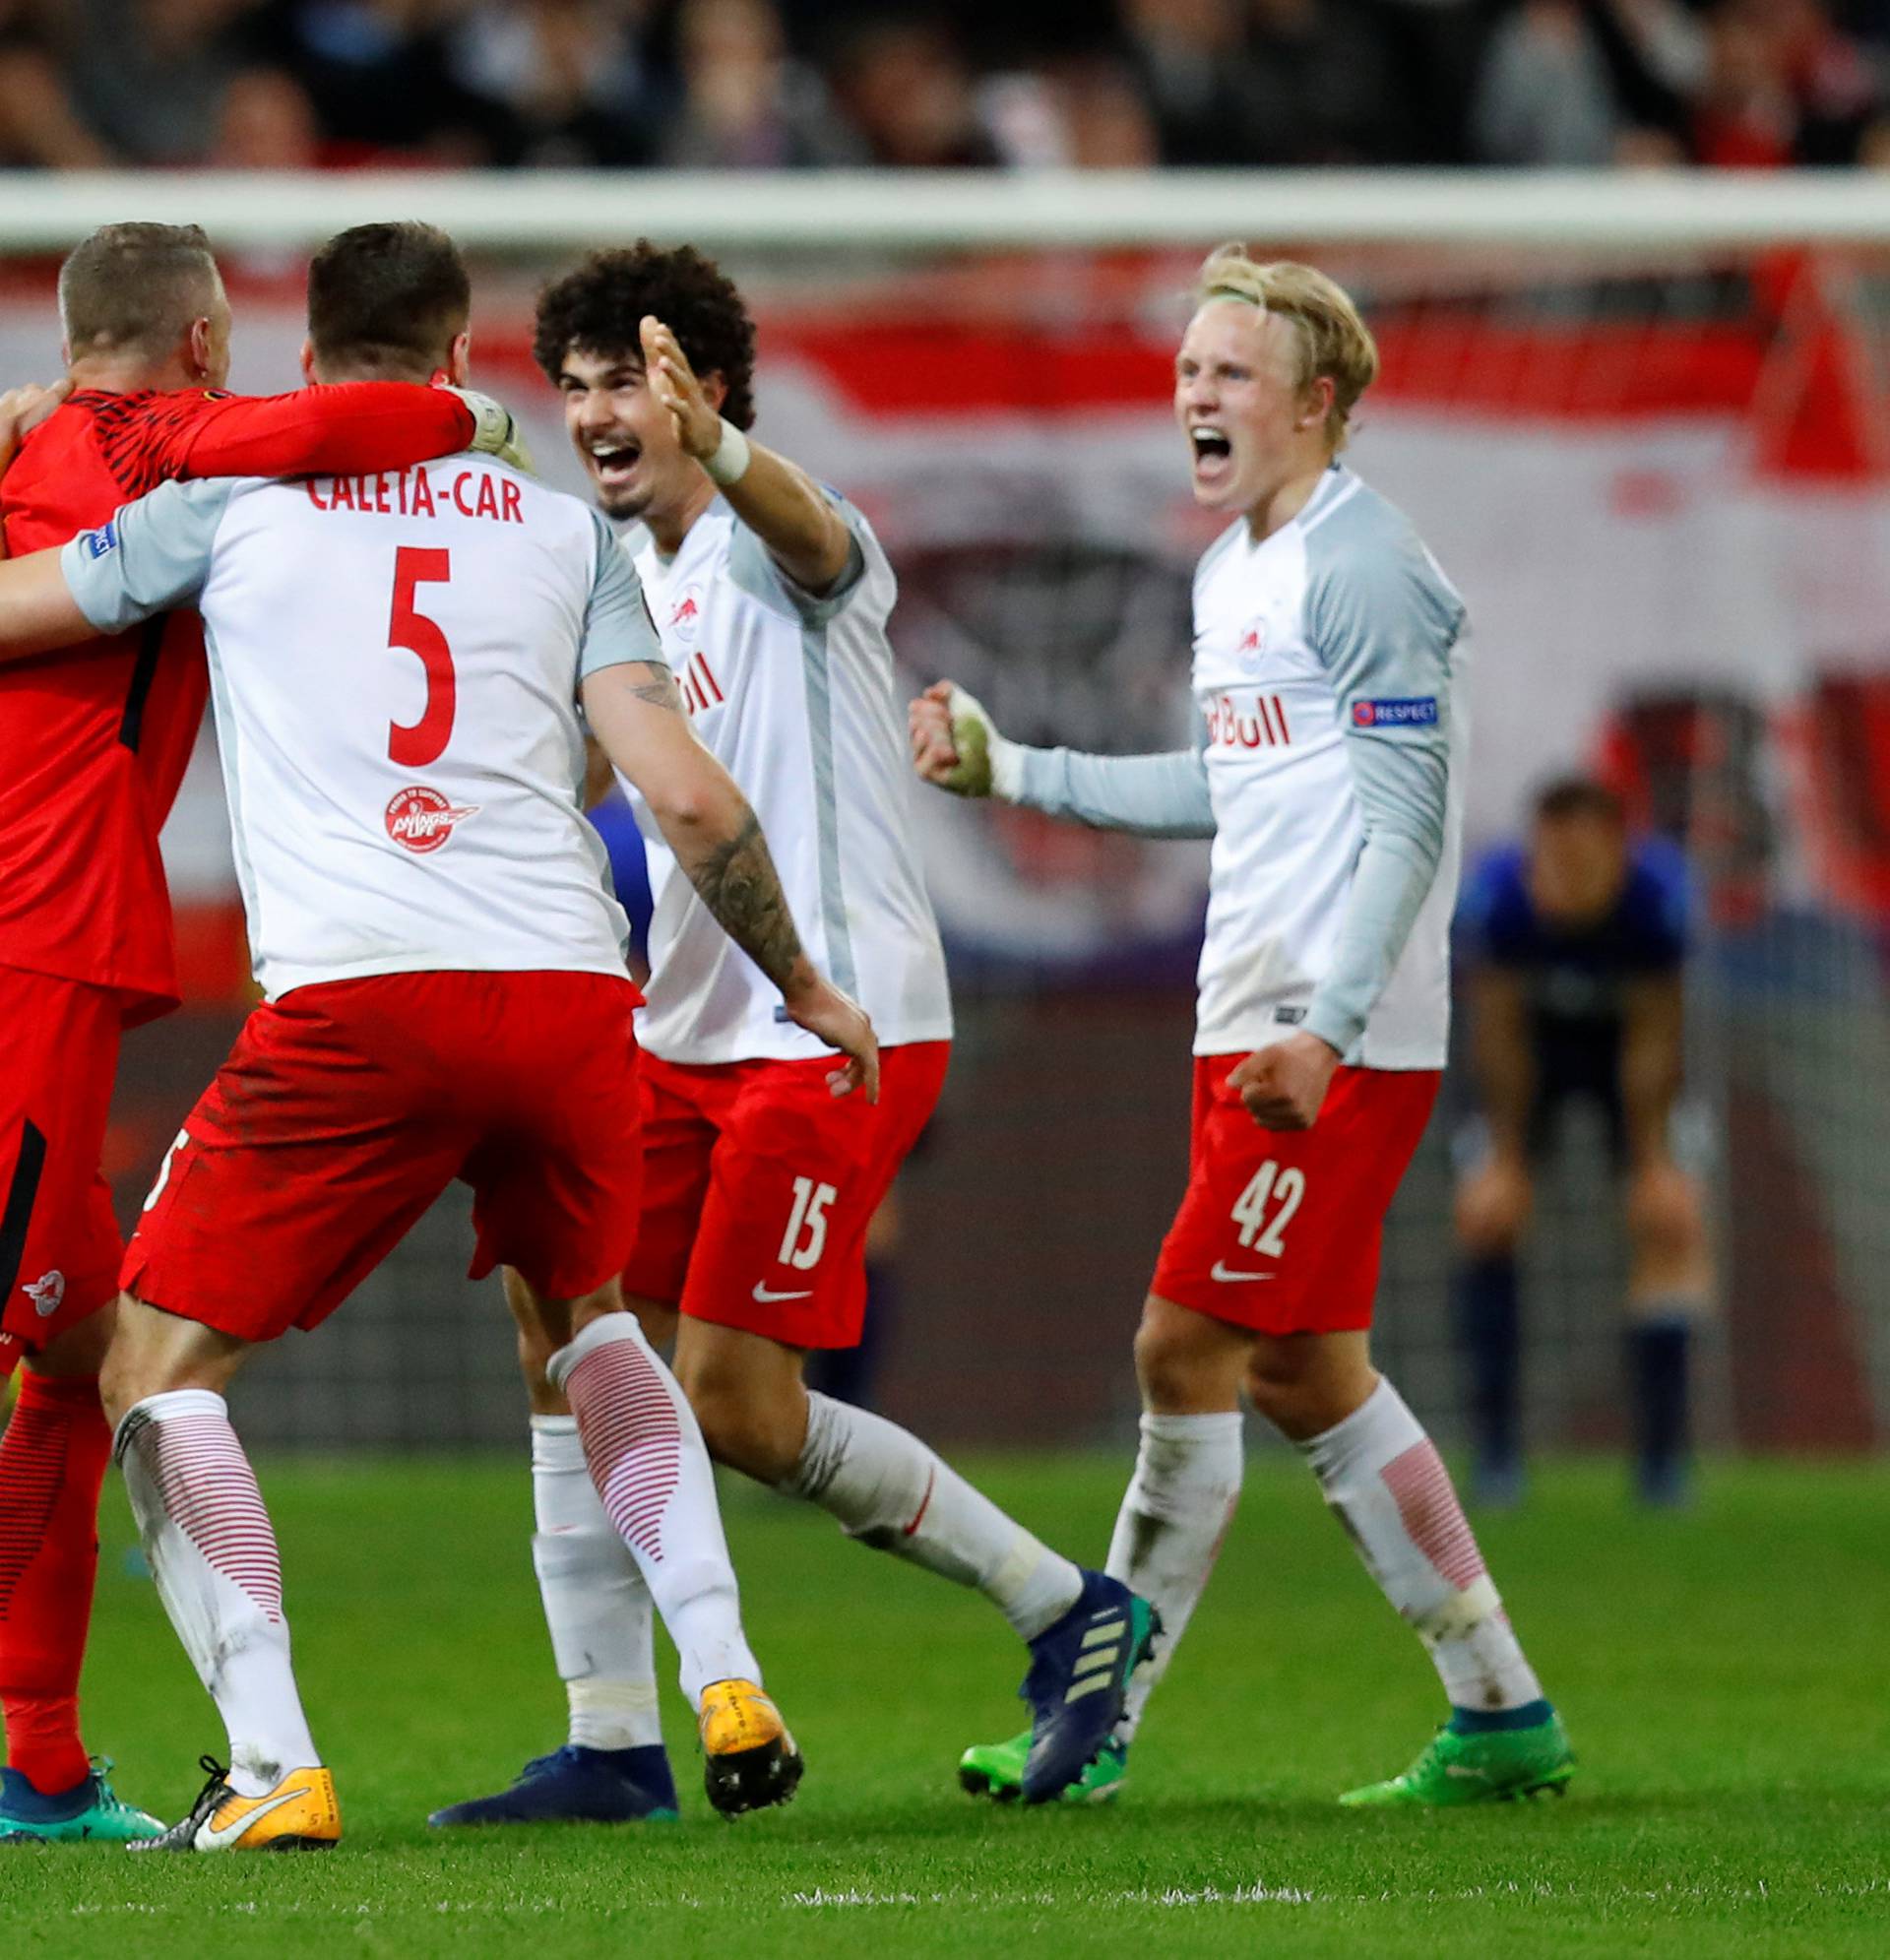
[{"x": 999, "y": 84}]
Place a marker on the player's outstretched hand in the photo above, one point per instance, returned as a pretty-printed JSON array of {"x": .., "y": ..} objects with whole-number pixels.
[
  {"x": 673, "y": 381},
  {"x": 21, "y": 411},
  {"x": 1283, "y": 1086},
  {"x": 495, "y": 429},
  {"x": 841, "y": 1021},
  {"x": 952, "y": 742}
]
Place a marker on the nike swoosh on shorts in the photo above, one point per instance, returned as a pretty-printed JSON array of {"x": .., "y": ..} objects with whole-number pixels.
[
  {"x": 1221, "y": 1273},
  {"x": 762, "y": 1294}
]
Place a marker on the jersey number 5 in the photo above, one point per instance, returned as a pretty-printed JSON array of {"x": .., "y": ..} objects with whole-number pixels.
[{"x": 414, "y": 746}]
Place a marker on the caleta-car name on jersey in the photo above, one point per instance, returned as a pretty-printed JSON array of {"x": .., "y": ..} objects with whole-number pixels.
[
  {"x": 1229, "y": 726},
  {"x": 415, "y": 494}
]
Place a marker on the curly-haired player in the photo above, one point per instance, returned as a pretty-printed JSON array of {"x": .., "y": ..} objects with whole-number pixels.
[{"x": 771, "y": 596}]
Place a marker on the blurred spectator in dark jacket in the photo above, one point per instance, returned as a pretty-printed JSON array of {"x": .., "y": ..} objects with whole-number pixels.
[
  {"x": 39, "y": 123},
  {"x": 1318, "y": 85},
  {"x": 378, "y": 74},
  {"x": 745, "y": 103},
  {"x": 906, "y": 90},
  {"x": 561, "y": 82},
  {"x": 1190, "y": 62}
]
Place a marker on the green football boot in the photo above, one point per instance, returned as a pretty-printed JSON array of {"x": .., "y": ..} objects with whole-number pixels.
[
  {"x": 1487, "y": 1766},
  {"x": 91, "y": 1810},
  {"x": 997, "y": 1770}
]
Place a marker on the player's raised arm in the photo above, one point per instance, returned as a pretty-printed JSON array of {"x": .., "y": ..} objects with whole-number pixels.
[
  {"x": 775, "y": 499},
  {"x": 956, "y": 746}
]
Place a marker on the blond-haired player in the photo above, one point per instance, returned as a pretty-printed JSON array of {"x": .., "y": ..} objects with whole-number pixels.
[{"x": 1328, "y": 671}]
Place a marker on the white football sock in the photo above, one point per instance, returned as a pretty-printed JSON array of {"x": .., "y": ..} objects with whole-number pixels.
[
  {"x": 892, "y": 1492},
  {"x": 648, "y": 1461},
  {"x": 598, "y": 1609},
  {"x": 1168, "y": 1534},
  {"x": 212, "y": 1550},
  {"x": 1383, "y": 1478}
]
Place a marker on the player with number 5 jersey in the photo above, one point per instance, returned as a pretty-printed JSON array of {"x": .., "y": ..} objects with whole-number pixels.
[
  {"x": 397, "y": 663},
  {"x": 772, "y": 595},
  {"x": 1329, "y": 680}
]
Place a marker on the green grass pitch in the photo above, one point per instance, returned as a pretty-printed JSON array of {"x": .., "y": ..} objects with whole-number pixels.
[{"x": 1723, "y": 1676}]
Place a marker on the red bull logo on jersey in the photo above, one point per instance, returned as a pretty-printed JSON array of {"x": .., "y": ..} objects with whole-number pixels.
[
  {"x": 419, "y": 819},
  {"x": 1418, "y": 711},
  {"x": 685, "y": 615},
  {"x": 1252, "y": 644},
  {"x": 1231, "y": 727}
]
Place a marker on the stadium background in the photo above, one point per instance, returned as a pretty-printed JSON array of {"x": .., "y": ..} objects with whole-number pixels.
[{"x": 1657, "y": 474}]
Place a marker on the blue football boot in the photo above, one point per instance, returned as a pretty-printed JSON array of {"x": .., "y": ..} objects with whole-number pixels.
[
  {"x": 579, "y": 1786},
  {"x": 1080, "y": 1669}
]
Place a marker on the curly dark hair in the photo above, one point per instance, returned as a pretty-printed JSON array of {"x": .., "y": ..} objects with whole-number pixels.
[{"x": 596, "y": 308}]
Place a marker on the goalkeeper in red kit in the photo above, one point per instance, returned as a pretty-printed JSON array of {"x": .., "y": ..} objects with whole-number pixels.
[{"x": 95, "y": 740}]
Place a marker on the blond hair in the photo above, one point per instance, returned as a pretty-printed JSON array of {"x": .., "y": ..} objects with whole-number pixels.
[{"x": 1334, "y": 342}]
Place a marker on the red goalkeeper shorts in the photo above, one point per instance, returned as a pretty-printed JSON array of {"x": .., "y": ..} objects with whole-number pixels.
[
  {"x": 1280, "y": 1230},
  {"x": 59, "y": 1242}
]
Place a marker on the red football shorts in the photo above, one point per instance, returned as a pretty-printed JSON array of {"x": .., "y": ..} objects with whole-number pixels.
[
  {"x": 1281, "y": 1230},
  {"x": 345, "y": 1108},
  {"x": 759, "y": 1184},
  {"x": 59, "y": 1244}
]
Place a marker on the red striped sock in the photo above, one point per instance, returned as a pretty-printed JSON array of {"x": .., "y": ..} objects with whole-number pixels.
[
  {"x": 52, "y": 1464},
  {"x": 646, "y": 1457}
]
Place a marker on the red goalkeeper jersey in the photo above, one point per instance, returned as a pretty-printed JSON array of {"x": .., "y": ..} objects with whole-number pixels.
[{"x": 94, "y": 739}]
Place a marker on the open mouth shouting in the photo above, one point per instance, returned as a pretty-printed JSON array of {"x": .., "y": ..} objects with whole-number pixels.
[
  {"x": 1213, "y": 454},
  {"x": 613, "y": 460}
]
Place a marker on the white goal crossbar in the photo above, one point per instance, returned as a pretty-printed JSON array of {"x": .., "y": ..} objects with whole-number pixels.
[{"x": 561, "y": 211}]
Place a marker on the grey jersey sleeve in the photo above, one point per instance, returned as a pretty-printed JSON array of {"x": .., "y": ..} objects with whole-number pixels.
[
  {"x": 1153, "y": 796},
  {"x": 617, "y": 627},
  {"x": 752, "y": 566},
  {"x": 1384, "y": 621},
  {"x": 152, "y": 555}
]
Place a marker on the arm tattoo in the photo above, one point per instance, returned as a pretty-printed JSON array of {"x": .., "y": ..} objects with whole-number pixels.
[
  {"x": 659, "y": 690},
  {"x": 738, "y": 883}
]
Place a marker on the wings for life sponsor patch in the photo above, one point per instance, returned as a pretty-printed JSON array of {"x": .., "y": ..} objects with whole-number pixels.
[
  {"x": 102, "y": 541},
  {"x": 419, "y": 819},
  {"x": 1411, "y": 711}
]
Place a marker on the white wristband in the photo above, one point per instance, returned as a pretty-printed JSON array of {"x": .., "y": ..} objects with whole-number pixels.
[
  {"x": 1007, "y": 768},
  {"x": 729, "y": 463}
]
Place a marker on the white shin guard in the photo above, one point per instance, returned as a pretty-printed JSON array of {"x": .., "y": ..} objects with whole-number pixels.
[
  {"x": 1386, "y": 1484},
  {"x": 212, "y": 1551},
  {"x": 597, "y": 1607},
  {"x": 889, "y": 1490},
  {"x": 653, "y": 1474},
  {"x": 1174, "y": 1514}
]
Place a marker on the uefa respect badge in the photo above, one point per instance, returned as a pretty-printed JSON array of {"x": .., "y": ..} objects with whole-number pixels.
[{"x": 1413, "y": 711}]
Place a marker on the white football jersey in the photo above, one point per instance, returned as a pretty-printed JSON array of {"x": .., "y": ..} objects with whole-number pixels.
[
  {"x": 393, "y": 664},
  {"x": 795, "y": 696},
  {"x": 1320, "y": 652}
]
